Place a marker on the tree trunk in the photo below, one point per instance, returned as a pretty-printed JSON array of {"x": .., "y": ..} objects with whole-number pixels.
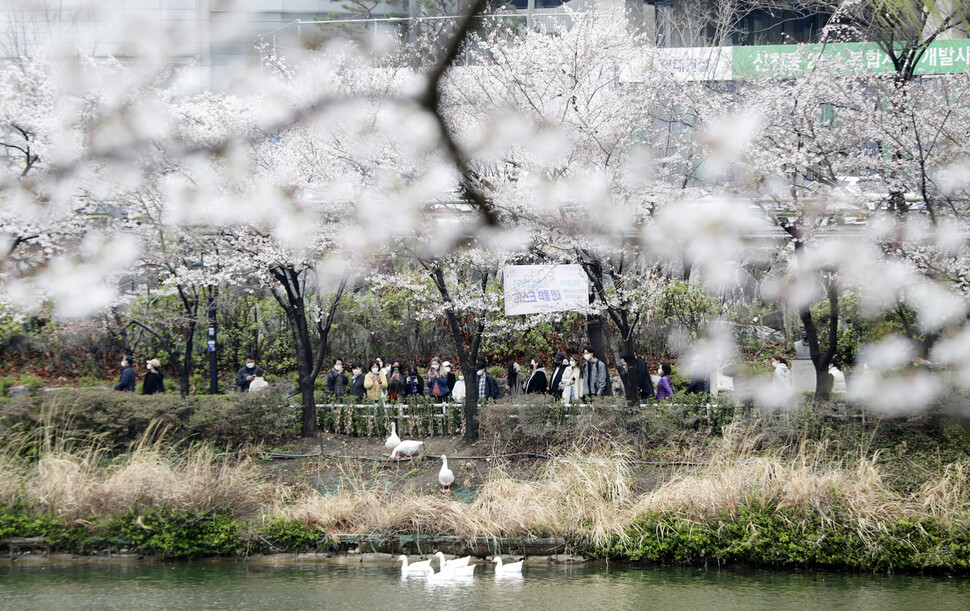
[
  {"x": 597, "y": 341},
  {"x": 468, "y": 358},
  {"x": 185, "y": 371},
  {"x": 631, "y": 387},
  {"x": 821, "y": 360},
  {"x": 294, "y": 306}
]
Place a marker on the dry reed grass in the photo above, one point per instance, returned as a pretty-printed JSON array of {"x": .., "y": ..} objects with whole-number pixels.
[
  {"x": 589, "y": 496},
  {"x": 582, "y": 495},
  {"x": 77, "y": 478}
]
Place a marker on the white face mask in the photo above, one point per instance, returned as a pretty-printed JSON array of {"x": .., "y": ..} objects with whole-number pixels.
[
  {"x": 124, "y": 363},
  {"x": 374, "y": 369},
  {"x": 338, "y": 367},
  {"x": 447, "y": 369},
  {"x": 587, "y": 356},
  {"x": 434, "y": 368},
  {"x": 250, "y": 365},
  {"x": 356, "y": 371},
  {"x": 572, "y": 363}
]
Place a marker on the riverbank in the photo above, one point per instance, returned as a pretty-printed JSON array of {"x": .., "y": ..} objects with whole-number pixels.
[{"x": 893, "y": 496}]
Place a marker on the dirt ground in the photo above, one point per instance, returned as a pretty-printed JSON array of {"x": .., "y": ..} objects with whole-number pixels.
[{"x": 331, "y": 462}]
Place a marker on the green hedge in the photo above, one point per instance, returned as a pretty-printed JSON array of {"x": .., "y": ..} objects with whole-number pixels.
[
  {"x": 122, "y": 418},
  {"x": 163, "y": 533}
]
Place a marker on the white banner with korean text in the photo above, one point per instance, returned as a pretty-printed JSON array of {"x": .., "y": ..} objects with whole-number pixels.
[{"x": 533, "y": 289}]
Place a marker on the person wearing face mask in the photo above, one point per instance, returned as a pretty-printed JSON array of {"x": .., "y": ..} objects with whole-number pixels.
[
  {"x": 154, "y": 381},
  {"x": 450, "y": 377},
  {"x": 246, "y": 374},
  {"x": 413, "y": 384},
  {"x": 513, "y": 379},
  {"x": 438, "y": 381},
  {"x": 594, "y": 374},
  {"x": 555, "y": 385},
  {"x": 375, "y": 382},
  {"x": 337, "y": 380},
  {"x": 487, "y": 386},
  {"x": 127, "y": 381},
  {"x": 571, "y": 383},
  {"x": 537, "y": 381},
  {"x": 665, "y": 389},
  {"x": 357, "y": 382},
  {"x": 395, "y": 382}
]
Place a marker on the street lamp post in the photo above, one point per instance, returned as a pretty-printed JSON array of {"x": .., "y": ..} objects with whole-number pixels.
[{"x": 212, "y": 345}]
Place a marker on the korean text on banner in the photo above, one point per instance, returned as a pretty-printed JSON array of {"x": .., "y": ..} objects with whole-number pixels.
[{"x": 533, "y": 289}]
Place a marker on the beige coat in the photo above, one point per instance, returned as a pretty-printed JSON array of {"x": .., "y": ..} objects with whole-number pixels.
[
  {"x": 374, "y": 387},
  {"x": 571, "y": 380}
]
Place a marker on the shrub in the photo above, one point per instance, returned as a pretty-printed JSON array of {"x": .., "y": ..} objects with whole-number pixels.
[{"x": 121, "y": 418}]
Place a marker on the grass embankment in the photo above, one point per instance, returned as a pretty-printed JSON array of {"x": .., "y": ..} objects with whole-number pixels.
[{"x": 797, "y": 505}]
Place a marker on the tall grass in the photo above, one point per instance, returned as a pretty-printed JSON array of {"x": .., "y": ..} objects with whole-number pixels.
[
  {"x": 588, "y": 497},
  {"x": 76, "y": 477}
]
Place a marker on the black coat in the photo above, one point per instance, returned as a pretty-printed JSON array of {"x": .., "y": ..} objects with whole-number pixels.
[
  {"x": 241, "y": 375},
  {"x": 153, "y": 383},
  {"x": 537, "y": 383},
  {"x": 357, "y": 387},
  {"x": 644, "y": 382},
  {"x": 452, "y": 380},
  {"x": 556, "y": 379},
  {"x": 412, "y": 386},
  {"x": 491, "y": 386}
]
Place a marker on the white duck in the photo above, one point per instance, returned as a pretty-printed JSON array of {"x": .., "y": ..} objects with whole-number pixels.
[
  {"x": 455, "y": 562},
  {"x": 513, "y": 568},
  {"x": 446, "y": 476},
  {"x": 437, "y": 577},
  {"x": 459, "y": 567},
  {"x": 406, "y": 448},
  {"x": 416, "y": 568},
  {"x": 392, "y": 441}
]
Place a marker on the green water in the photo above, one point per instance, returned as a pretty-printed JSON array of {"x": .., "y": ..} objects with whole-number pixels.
[{"x": 319, "y": 585}]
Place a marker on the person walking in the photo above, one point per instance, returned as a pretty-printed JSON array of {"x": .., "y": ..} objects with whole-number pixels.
[
  {"x": 571, "y": 384},
  {"x": 782, "y": 376},
  {"x": 838, "y": 378},
  {"x": 537, "y": 381},
  {"x": 665, "y": 389},
  {"x": 594, "y": 374},
  {"x": 375, "y": 382},
  {"x": 555, "y": 385},
  {"x": 487, "y": 386},
  {"x": 127, "y": 381},
  {"x": 245, "y": 375},
  {"x": 337, "y": 380},
  {"x": 154, "y": 380},
  {"x": 644, "y": 382},
  {"x": 513, "y": 379}
]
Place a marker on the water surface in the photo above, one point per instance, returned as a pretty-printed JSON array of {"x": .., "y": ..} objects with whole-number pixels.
[{"x": 86, "y": 584}]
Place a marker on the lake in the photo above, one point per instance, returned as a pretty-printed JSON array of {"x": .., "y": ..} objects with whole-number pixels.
[{"x": 309, "y": 584}]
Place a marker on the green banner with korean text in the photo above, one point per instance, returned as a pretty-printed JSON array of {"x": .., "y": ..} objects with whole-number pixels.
[{"x": 790, "y": 61}]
